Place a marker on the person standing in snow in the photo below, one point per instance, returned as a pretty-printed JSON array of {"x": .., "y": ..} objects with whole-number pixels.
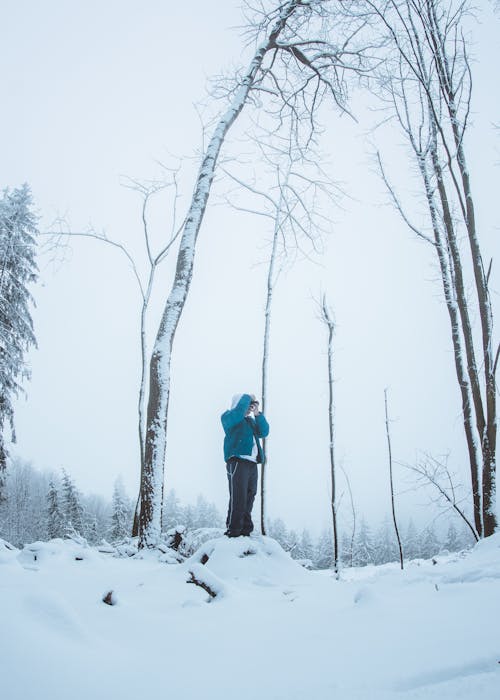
[{"x": 243, "y": 425}]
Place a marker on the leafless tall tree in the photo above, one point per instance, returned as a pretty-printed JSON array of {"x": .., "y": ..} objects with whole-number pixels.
[
  {"x": 60, "y": 233},
  {"x": 294, "y": 67},
  {"x": 427, "y": 82},
  {"x": 391, "y": 481},
  {"x": 292, "y": 203},
  {"x": 327, "y": 319}
]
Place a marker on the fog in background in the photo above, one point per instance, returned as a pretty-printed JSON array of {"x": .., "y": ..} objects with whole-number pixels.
[{"x": 94, "y": 92}]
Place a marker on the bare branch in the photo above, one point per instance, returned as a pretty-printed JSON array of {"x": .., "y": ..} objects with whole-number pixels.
[
  {"x": 398, "y": 204},
  {"x": 104, "y": 239},
  {"x": 432, "y": 471}
]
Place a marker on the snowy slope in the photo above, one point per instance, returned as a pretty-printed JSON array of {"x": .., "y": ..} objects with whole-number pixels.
[{"x": 273, "y": 631}]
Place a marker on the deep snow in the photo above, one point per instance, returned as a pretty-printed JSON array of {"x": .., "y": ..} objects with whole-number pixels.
[{"x": 274, "y": 631}]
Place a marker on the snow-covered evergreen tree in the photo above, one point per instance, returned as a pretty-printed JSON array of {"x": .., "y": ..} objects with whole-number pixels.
[
  {"x": 72, "y": 505},
  {"x": 305, "y": 547},
  {"x": 92, "y": 530},
  {"x": 363, "y": 545},
  {"x": 55, "y": 520},
  {"x": 452, "y": 542},
  {"x": 188, "y": 517},
  {"x": 121, "y": 523},
  {"x": 346, "y": 549},
  {"x": 18, "y": 269},
  {"x": 202, "y": 514},
  {"x": 23, "y": 515},
  {"x": 292, "y": 543},
  {"x": 323, "y": 558},
  {"x": 205, "y": 514},
  {"x": 277, "y": 530},
  {"x": 429, "y": 543},
  {"x": 385, "y": 546},
  {"x": 465, "y": 538},
  {"x": 97, "y": 516},
  {"x": 213, "y": 516},
  {"x": 411, "y": 543},
  {"x": 172, "y": 510}
]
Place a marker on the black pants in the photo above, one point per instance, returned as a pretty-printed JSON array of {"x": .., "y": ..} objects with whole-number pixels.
[{"x": 242, "y": 480}]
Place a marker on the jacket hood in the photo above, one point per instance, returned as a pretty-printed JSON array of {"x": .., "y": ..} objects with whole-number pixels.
[{"x": 235, "y": 399}]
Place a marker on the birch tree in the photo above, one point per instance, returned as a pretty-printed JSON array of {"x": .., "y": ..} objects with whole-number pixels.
[
  {"x": 426, "y": 81},
  {"x": 295, "y": 66}
]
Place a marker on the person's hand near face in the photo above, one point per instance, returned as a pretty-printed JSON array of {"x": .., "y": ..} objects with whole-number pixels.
[{"x": 254, "y": 406}]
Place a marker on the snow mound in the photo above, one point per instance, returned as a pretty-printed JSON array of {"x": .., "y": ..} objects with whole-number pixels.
[
  {"x": 489, "y": 544},
  {"x": 225, "y": 565},
  {"x": 8, "y": 552},
  {"x": 37, "y": 553}
]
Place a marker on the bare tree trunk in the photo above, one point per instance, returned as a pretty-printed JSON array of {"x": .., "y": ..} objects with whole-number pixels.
[
  {"x": 141, "y": 399},
  {"x": 462, "y": 337},
  {"x": 391, "y": 481},
  {"x": 328, "y": 321},
  {"x": 265, "y": 363}
]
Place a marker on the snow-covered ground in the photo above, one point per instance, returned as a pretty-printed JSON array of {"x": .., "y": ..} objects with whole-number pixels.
[{"x": 273, "y": 631}]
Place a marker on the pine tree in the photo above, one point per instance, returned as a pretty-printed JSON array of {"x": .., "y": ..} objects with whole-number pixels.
[
  {"x": 277, "y": 530},
  {"x": 323, "y": 558},
  {"x": 202, "y": 513},
  {"x": 172, "y": 511},
  {"x": 363, "y": 546},
  {"x": 18, "y": 269},
  {"x": 429, "y": 543},
  {"x": 23, "y": 513},
  {"x": 306, "y": 549},
  {"x": 188, "y": 517},
  {"x": 72, "y": 506},
  {"x": 121, "y": 525},
  {"x": 91, "y": 529},
  {"x": 452, "y": 543},
  {"x": 346, "y": 550},
  {"x": 465, "y": 538},
  {"x": 214, "y": 518},
  {"x": 411, "y": 543},
  {"x": 385, "y": 545},
  {"x": 292, "y": 544},
  {"x": 97, "y": 516},
  {"x": 55, "y": 520}
]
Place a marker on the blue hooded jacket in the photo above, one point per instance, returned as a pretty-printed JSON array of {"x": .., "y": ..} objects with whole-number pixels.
[{"x": 241, "y": 431}]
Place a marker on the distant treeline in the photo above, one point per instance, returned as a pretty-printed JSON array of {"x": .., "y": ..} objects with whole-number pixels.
[{"x": 44, "y": 505}]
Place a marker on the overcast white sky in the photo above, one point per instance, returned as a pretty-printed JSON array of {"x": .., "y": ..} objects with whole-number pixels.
[{"x": 96, "y": 91}]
